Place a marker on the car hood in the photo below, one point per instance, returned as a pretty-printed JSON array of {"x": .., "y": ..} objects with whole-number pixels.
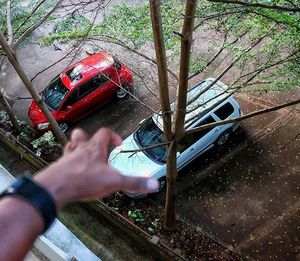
[{"x": 132, "y": 164}]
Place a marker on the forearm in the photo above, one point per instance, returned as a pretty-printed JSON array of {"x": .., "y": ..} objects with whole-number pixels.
[
  {"x": 58, "y": 183},
  {"x": 20, "y": 225},
  {"x": 20, "y": 222}
]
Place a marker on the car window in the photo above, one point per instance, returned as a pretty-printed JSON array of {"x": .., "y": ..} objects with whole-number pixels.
[
  {"x": 72, "y": 98},
  {"x": 92, "y": 85},
  {"x": 86, "y": 88},
  {"x": 189, "y": 139},
  {"x": 102, "y": 78},
  {"x": 117, "y": 64},
  {"x": 225, "y": 111},
  {"x": 54, "y": 94}
]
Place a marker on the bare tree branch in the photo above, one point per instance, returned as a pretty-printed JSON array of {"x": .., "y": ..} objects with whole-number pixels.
[
  {"x": 217, "y": 15},
  {"x": 10, "y": 33},
  {"x": 84, "y": 38},
  {"x": 264, "y": 67},
  {"x": 217, "y": 54},
  {"x": 214, "y": 124},
  {"x": 117, "y": 41},
  {"x": 274, "y": 7},
  {"x": 146, "y": 147},
  {"x": 51, "y": 65},
  {"x": 143, "y": 81},
  {"x": 208, "y": 108},
  {"x": 228, "y": 68},
  {"x": 31, "y": 14},
  {"x": 211, "y": 60},
  {"x": 36, "y": 25},
  {"x": 244, "y": 117}
]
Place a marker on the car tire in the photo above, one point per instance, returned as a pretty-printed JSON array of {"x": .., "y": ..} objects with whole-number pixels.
[
  {"x": 162, "y": 183},
  {"x": 223, "y": 138},
  {"x": 122, "y": 92},
  {"x": 63, "y": 126}
]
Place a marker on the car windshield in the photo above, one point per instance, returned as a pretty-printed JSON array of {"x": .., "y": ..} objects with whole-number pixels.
[
  {"x": 148, "y": 135},
  {"x": 54, "y": 94}
]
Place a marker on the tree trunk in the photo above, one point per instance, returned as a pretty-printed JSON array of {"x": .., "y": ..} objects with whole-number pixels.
[
  {"x": 170, "y": 219},
  {"x": 186, "y": 43},
  {"x": 11, "y": 56},
  {"x": 170, "y": 205},
  {"x": 10, "y": 113}
]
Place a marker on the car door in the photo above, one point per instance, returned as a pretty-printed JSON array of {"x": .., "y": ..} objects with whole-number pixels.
[
  {"x": 194, "y": 144},
  {"x": 71, "y": 109},
  {"x": 100, "y": 95},
  {"x": 108, "y": 88},
  {"x": 87, "y": 98}
]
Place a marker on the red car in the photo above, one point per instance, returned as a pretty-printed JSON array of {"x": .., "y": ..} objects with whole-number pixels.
[{"x": 81, "y": 89}]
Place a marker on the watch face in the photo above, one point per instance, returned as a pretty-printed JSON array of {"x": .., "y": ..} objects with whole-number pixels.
[
  {"x": 10, "y": 190},
  {"x": 17, "y": 185}
]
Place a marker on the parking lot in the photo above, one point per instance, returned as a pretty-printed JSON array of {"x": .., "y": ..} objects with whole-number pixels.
[{"x": 250, "y": 198}]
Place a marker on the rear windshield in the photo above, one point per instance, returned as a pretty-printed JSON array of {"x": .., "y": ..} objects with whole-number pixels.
[
  {"x": 74, "y": 74},
  {"x": 225, "y": 111},
  {"x": 54, "y": 94}
]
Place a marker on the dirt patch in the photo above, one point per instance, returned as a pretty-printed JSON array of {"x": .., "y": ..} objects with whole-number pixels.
[{"x": 186, "y": 240}]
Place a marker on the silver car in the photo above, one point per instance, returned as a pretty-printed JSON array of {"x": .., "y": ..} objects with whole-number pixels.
[{"x": 152, "y": 162}]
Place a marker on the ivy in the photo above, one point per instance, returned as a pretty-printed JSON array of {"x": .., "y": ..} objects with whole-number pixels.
[
  {"x": 46, "y": 141},
  {"x": 136, "y": 215}
]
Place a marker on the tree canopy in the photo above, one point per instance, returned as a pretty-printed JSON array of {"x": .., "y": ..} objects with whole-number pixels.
[{"x": 270, "y": 61}]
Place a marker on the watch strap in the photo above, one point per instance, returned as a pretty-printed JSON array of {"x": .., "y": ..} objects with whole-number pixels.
[{"x": 34, "y": 194}]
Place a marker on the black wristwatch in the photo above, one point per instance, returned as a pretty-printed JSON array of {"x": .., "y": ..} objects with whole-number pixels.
[{"x": 24, "y": 187}]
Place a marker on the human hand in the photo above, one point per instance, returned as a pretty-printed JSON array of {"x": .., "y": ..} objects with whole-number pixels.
[{"x": 83, "y": 173}]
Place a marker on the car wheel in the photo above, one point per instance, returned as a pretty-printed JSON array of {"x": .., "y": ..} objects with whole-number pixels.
[
  {"x": 162, "y": 183},
  {"x": 64, "y": 126},
  {"x": 122, "y": 92},
  {"x": 222, "y": 140}
]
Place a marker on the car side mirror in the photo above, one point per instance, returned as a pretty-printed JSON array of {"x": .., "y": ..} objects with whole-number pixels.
[
  {"x": 142, "y": 121},
  {"x": 177, "y": 154},
  {"x": 69, "y": 108}
]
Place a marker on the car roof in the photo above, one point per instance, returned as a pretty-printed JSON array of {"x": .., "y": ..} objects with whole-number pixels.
[
  {"x": 209, "y": 98},
  {"x": 86, "y": 69}
]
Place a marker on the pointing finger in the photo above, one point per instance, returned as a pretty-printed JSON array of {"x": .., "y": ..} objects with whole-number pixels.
[{"x": 139, "y": 184}]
